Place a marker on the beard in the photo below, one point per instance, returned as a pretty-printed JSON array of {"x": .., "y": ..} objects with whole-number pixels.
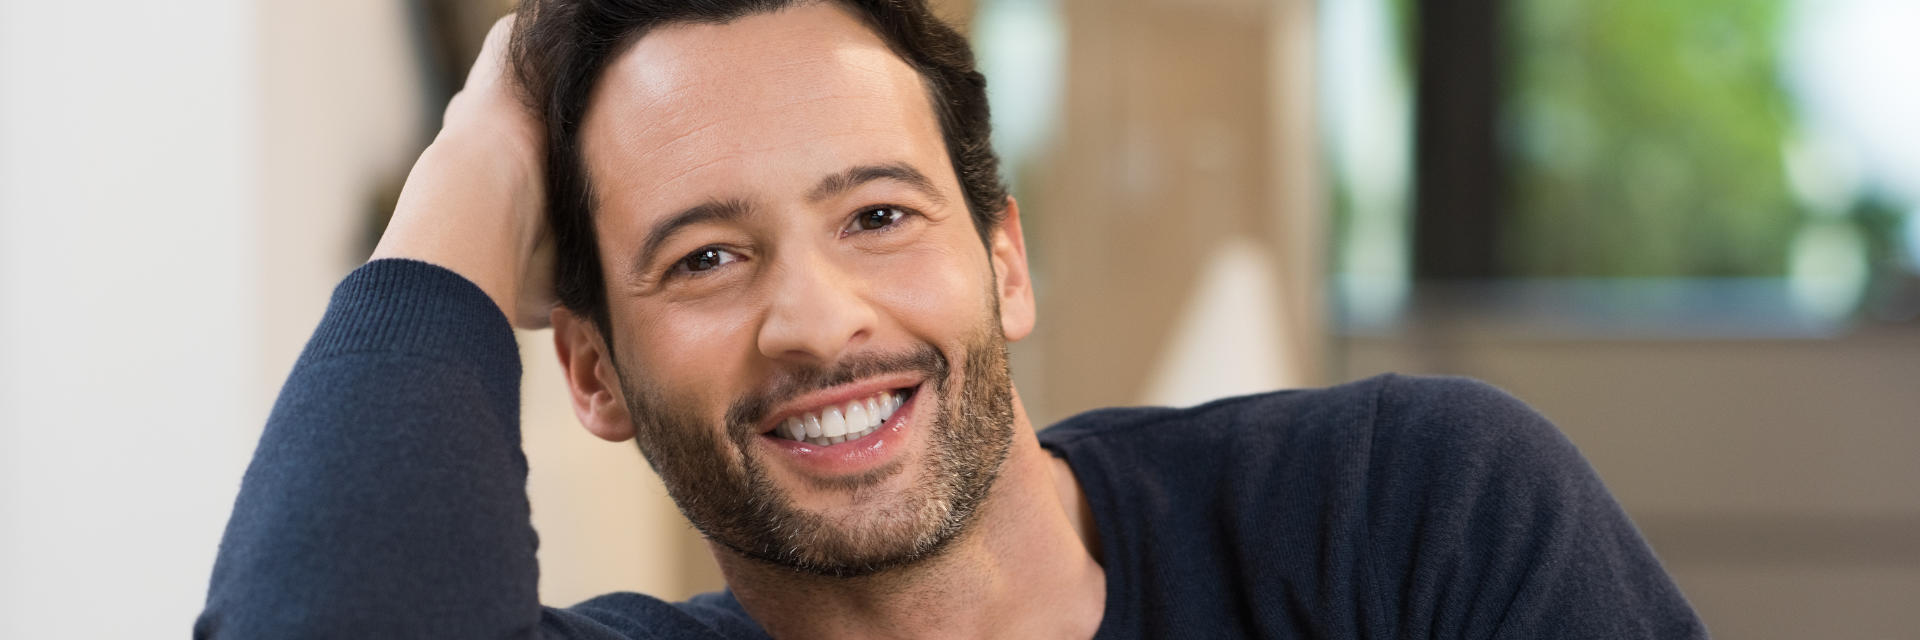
[{"x": 724, "y": 489}]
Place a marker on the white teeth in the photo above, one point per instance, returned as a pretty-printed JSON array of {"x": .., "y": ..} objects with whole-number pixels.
[
  {"x": 851, "y": 421},
  {"x": 832, "y": 423},
  {"x": 857, "y": 418}
]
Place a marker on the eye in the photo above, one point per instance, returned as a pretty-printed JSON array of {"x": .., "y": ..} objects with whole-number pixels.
[
  {"x": 876, "y": 218},
  {"x": 705, "y": 259}
]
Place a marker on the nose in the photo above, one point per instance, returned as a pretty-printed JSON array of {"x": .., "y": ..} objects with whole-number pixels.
[{"x": 817, "y": 313}]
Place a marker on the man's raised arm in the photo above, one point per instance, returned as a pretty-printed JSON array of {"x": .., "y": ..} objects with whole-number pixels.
[{"x": 387, "y": 496}]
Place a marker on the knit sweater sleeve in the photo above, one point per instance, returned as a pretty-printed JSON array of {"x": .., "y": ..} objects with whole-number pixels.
[
  {"x": 387, "y": 495},
  {"x": 1514, "y": 536}
]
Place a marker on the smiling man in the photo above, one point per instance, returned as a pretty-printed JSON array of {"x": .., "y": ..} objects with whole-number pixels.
[
  {"x": 774, "y": 250},
  {"x": 772, "y": 198}
]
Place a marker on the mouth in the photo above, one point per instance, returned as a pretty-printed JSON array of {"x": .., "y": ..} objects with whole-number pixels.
[{"x": 842, "y": 422}]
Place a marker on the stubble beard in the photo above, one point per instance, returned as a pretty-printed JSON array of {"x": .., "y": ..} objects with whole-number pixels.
[{"x": 724, "y": 489}]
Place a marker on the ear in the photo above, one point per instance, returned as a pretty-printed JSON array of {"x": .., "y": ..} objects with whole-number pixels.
[
  {"x": 1012, "y": 282},
  {"x": 595, "y": 387}
]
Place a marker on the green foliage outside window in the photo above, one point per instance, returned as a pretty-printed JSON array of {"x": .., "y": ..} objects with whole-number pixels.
[{"x": 1645, "y": 139}]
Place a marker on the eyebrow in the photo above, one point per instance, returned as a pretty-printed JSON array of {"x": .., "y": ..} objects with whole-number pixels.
[
  {"x": 845, "y": 181},
  {"x": 711, "y": 211},
  {"x": 734, "y": 209}
]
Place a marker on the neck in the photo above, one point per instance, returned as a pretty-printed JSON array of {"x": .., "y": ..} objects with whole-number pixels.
[{"x": 1024, "y": 568}]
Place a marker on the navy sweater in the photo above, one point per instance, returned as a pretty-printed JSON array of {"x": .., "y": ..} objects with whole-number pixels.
[{"x": 387, "y": 499}]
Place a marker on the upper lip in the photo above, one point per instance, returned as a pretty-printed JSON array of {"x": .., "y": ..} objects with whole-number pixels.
[{"x": 836, "y": 396}]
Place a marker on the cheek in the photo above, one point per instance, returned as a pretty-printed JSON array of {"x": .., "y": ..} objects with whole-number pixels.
[
  {"x": 939, "y": 291},
  {"x": 689, "y": 354}
]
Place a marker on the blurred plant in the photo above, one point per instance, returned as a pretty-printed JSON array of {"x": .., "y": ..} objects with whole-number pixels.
[{"x": 1647, "y": 139}]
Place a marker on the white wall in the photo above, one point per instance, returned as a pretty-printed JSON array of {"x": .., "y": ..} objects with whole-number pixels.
[
  {"x": 128, "y": 339},
  {"x": 181, "y": 185}
]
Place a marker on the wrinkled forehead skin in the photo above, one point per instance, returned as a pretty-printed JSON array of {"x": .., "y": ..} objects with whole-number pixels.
[{"x": 757, "y": 109}]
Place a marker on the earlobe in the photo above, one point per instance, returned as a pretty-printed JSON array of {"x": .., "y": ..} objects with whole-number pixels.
[
  {"x": 592, "y": 383},
  {"x": 1013, "y": 284}
]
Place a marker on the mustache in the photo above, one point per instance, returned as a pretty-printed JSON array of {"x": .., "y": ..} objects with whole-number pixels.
[{"x": 745, "y": 414}]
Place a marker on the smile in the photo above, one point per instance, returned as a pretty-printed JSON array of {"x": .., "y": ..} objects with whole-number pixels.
[{"x": 842, "y": 423}]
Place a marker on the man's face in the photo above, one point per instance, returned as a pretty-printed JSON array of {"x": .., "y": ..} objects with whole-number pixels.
[{"x": 788, "y": 254}]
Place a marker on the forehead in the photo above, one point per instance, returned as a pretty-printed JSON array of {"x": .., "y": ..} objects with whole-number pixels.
[{"x": 757, "y": 108}]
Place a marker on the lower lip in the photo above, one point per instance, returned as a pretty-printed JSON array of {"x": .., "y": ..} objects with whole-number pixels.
[{"x": 852, "y": 457}]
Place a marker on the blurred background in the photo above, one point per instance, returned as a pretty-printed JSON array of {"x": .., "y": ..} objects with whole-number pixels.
[{"x": 1688, "y": 232}]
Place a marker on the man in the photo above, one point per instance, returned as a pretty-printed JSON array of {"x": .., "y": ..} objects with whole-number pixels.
[{"x": 776, "y": 254}]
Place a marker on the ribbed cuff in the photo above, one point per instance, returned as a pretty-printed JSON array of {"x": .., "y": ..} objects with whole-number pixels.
[{"x": 409, "y": 307}]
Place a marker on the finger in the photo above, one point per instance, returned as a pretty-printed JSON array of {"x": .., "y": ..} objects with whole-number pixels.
[{"x": 493, "y": 53}]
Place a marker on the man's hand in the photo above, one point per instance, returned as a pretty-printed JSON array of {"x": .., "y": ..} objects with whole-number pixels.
[{"x": 475, "y": 201}]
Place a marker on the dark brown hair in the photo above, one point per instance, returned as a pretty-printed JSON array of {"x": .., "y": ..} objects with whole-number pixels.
[{"x": 560, "y": 48}]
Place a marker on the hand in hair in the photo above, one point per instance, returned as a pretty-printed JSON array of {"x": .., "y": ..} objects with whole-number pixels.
[{"x": 474, "y": 202}]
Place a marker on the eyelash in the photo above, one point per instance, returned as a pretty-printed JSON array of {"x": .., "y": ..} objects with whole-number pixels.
[
  {"x": 678, "y": 268},
  {"x": 855, "y": 221}
]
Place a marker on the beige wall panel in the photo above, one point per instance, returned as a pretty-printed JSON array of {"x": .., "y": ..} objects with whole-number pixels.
[
  {"x": 1168, "y": 148},
  {"x": 1685, "y": 426}
]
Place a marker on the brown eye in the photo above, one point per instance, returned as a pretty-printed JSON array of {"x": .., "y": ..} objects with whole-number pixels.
[
  {"x": 872, "y": 219},
  {"x": 706, "y": 259}
]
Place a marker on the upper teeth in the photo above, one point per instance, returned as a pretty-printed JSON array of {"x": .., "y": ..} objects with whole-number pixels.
[{"x": 850, "y": 421}]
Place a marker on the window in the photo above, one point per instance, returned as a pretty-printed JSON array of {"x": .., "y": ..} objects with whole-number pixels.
[{"x": 1707, "y": 163}]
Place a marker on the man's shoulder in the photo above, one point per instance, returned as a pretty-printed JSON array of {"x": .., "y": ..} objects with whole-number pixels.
[
  {"x": 1387, "y": 442},
  {"x": 1399, "y": 505},
  {"x": 1384, "y": 410}
]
